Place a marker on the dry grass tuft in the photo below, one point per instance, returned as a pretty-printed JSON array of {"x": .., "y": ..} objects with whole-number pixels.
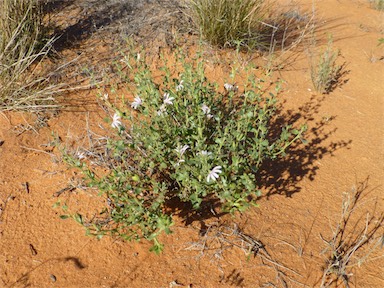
[
  {"x": 353, "y": 242},
  {"x": 254, "y": 24},
  {"x": 24, "y": 84},
  {"x": 229, "y": 23}
]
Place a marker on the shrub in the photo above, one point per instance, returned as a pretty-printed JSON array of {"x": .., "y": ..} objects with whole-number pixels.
[
  {"x": 22, "y": 43},
  {"x": 229, "y": 22},
  {"x": 185, "y": 138}
]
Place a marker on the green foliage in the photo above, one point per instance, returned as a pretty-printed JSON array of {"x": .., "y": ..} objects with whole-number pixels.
[
  {"x": 325, "y": 72},
  {"x": 22, "y": 44},
  {"x": 183, "y": 137},
  {"x": 229, "y": 22}
]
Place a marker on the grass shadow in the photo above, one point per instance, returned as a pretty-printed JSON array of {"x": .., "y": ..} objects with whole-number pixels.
[
  {"x": 51, "y": 6},
  {"x": 24, "y": 279},
  {"x": 101, "y": 16}
]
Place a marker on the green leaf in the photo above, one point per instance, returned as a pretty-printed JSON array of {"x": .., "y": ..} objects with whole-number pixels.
[
  {"x": 78, "y": 218},
  {"x": 136, "y": 178},
  {"x": 56, "y": 204},
  {"x": 64, "y": 217}
]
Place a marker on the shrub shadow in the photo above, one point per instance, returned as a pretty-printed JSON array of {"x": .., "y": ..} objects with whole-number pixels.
[
  {"x": 208, "y": 209},
  {"x": 282, "y": 176}
]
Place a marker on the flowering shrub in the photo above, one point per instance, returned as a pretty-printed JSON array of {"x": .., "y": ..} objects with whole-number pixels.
[{"x": 184, "y": 137}]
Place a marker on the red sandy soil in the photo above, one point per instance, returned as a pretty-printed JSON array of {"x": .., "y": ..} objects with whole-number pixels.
[{"x": 301, "y": 198}]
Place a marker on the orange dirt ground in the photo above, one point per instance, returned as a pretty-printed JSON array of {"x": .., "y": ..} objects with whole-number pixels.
[{"x": 301, "y": 199}]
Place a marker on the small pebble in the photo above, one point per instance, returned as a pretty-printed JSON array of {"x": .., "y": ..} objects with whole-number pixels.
[{"x": 53, "y": 277}]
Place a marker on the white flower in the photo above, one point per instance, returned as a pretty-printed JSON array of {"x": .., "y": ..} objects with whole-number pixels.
[
  {"x": 205, "y": 153},
  {"x": 116, "y": 123},
  {"x": 206, "y": 111},
  {"x": 161, "y": 110},
  {"x": 181, "y": 150},
  {"x": 180, "y": 86},
  {"x": 106, "y": 96},
  {"x": 230, "y": 87},
  {"x": 137, "y": 102},
  {"x": 138, "y": 56},
  {"x": 80, "y": 155},
  {"x": 168, "y": 100},
  {"x": 214, "y": 173}
]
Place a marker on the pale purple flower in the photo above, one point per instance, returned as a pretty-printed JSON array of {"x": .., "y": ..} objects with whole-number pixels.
[
  {"x": 214, "y": 174},
  {"x": 181, "y": 149},
  {"x": 116, "y": 123},
  {"x": 230, "y": 87},
  {"x": 168, "y": 100},
  {"x": 136, "y": 102},
  {"x": 180, "y": 86}
]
